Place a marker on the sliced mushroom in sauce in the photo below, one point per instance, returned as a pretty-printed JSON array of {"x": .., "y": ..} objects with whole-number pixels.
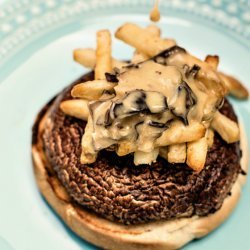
[
  {"x": 101, "y": 112},
  {"x": 162, "y": 56},
  {"x": 184, "y": 101},
  {"x": 156, "y": 102},
  {"x": 132, "y": 103},
  {"x": 148, "y": 132},
  {"x": 111, "y": 77},
  {"x": 193, "y": 72},
  {"x": 140, "y": 101}
]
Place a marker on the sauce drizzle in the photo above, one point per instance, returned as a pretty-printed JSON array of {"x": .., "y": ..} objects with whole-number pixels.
[{"x": 155, "y": 15}]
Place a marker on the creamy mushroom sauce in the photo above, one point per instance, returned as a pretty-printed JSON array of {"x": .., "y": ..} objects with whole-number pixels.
[{"x": 147, "y": 97}]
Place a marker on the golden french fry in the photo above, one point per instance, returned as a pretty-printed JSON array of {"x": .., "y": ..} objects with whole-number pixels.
[
  {"x": 125, "y": 147},
  {"x": 76, "y": 108},
  {"x": 210, "y": 137},
  {"x": 145, "y": 157},
  {"x": 87, "y": 58},
  {"x": 103, "y": 54},
  {"x": 227, "y": 129},
  {"x": 213, "y": 61},
  {"x": 177, "y": 153},
  {"x": 118, "y": 64},
  {"x": 91, "y": 90},
  {"x": 139, "y": 56},
  {"x": 179, "y": 133},
  {"x": 154, "y": 30},
  {"x": 88, "y": 152},
  {"x": 235, "y": 87},
  {"x": 209, "y": 78},
  {"x": 196, "y": 154},
  {"x": 142, "y": 40},
  {"x": 163, "y": 152}
]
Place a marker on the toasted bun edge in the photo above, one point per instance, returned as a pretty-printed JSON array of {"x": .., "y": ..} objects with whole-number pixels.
[{"x": 111, "y": 235}]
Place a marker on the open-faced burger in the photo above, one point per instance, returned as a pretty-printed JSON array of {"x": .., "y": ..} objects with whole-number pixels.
[{"x": 143, "y": 154}]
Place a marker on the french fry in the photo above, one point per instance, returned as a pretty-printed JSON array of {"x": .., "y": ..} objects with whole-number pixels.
[
  {"x": 179, "y": 133},
  {"x": 125, "y": 147},
  {"x": 177, "y": 153},
  {"x": 76, "y": 108},
  {"x": 196, "y": 154},
  {"x": 154, "y": 30},
  {"x": 88, "y": 152},
  {"x": 142, "y": 40},
  {"x": 87, "y": 58},
  {"x": 118, "y": 64},
  {"x": 235, "y": 87},
  {"x": 227, "y": 129},
  {"x": 91, "y": 90},
  {"x": 139, "y": 56},
  {"x": 210, "y": 137},
  {"x": 213, "y": 61},
  {"x": 208, "y": 77},
  {"x": 145, "y": 157},
  {"x": 103, "y": 54}
]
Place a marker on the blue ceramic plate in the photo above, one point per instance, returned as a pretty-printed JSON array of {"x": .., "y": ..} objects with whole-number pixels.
[{"x": 36, "y": 43}]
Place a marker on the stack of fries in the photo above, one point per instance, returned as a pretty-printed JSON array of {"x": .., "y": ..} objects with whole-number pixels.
[{"x": 180, "y": 142}]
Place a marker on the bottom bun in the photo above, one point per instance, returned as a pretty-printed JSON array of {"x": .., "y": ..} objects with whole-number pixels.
[{"x": 171, "y": 234}]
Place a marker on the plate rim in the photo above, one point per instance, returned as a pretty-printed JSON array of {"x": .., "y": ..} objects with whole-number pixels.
[{"x": 22, "y": 21}]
